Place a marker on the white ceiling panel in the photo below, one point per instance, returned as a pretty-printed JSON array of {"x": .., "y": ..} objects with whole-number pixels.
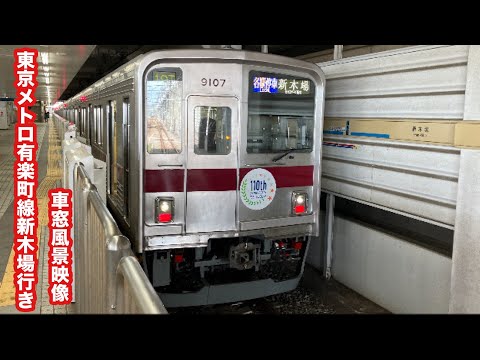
[{"x": 57, "y": 65}]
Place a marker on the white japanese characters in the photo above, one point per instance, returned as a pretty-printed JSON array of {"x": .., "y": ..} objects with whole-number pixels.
[{"x": 60, "y": 273}]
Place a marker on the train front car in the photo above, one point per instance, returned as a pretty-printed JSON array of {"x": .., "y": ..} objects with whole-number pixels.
[{"x": 231, "y": 172}]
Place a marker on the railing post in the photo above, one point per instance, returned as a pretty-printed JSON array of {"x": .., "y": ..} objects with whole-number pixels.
[
  {"x": 116, "y": 247},
  {"x": 337, "y": 52},
  {"x": 329, "y": 234},
  {"x": 82, "y": 187}
]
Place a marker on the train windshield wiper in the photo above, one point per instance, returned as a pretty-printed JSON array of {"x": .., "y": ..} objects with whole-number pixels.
[{"x": 275, "y": 159}]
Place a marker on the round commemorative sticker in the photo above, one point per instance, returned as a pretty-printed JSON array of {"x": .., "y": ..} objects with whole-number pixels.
[{"x": 257, "y": 189}]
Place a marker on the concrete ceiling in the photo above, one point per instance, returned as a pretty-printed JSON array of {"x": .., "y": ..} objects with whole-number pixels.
[
  {"x": 57, "y": 66},
  {"x": 72, "y": 68}
]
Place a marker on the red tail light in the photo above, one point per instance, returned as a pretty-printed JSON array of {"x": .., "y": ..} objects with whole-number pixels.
[
  {"x": 299, "y": 202},
  {"x": 299, "y": 209},
  {"x": 165, "y": 217},
  {"x": 164, "y": 210},
  {"x": 297, "y": 245}
]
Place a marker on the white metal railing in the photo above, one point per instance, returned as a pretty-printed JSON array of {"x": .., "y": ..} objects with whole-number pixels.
[
  {"x": 108, "y": 277},
  {"x": 62, "y": 125}
]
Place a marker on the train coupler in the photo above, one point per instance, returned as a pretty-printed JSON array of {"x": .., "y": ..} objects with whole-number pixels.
[{"x": 245, "y": 255}]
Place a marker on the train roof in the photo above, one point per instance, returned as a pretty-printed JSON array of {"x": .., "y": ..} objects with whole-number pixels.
[{"x": 127, "y": 71}]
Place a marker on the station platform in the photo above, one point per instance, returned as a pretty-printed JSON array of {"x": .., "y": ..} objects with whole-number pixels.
[{"x": 49, "y": 175}]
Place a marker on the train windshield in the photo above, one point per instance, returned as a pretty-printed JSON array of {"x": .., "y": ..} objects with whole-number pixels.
[
  {"x": 163, "y": 111},
  {"x": 280, "y": 113}
]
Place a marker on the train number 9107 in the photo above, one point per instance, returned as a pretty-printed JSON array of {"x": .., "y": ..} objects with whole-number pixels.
[{"x": 213, "y": 82}]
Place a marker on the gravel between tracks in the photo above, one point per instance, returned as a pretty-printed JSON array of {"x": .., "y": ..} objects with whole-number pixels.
[{"x": 299, "y": 301}]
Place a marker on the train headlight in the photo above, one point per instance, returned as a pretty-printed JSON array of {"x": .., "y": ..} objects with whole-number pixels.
[
  {"x": 164, "y": 209},
  {"x": 165, "y": 206},
  {"x": 299, "y": 203}
]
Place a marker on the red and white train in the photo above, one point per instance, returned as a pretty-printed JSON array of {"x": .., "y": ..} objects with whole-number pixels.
[{"x": 213, "y": 167}]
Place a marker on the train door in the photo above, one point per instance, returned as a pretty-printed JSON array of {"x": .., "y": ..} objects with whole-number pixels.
[
  {"x": 212, "y": 163},
  {"x": 118, "y": 150},
  {"x": 126, "y": 152},
  {"x": 112, "y": 174}
]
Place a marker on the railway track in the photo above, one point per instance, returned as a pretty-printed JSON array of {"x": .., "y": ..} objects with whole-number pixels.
[
  {"x": 314, "y": 296},
  {"x": 299, "y": 301}
]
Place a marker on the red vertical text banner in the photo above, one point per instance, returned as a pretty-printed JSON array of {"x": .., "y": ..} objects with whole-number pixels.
[{"x": 25, "y": 170}]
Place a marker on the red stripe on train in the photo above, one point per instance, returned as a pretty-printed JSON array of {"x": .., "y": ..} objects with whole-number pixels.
[
  {"x": 211, "y": 179},
  {"x": 171, "y": 180},
  {"x": 290, "y": 176},
  {"x": 168, "y": 180}
]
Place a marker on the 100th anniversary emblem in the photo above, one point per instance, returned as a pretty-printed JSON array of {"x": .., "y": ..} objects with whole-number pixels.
[{"x": 257, "y": 189}]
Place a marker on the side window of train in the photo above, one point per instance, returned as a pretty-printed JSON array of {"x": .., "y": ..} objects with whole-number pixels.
[
  {"x": 89, "y": 123},
  {"x": 163, "y": 111},
  {"x": 79, "y": 121},
  {"x": 94, "y": 125},
  {"x": 99, "y": 125},
  {"x": 280, "y": 113},
  {"x": 83, "y": 122},
  {"x": 212, "y": 130}
]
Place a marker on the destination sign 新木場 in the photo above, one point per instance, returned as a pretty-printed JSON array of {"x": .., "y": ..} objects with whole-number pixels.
[{"x": 275, "y": 85}]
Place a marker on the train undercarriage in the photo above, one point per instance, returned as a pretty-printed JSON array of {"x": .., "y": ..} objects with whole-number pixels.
[{"x": 227, "y": 265}]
